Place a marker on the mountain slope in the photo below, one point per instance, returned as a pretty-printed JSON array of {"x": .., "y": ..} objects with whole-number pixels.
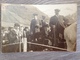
[{"x": 20, "y": 14}]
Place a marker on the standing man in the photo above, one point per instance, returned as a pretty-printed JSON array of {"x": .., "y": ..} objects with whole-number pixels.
[
  {"x": 14, "y": 33},
  {"x": 44, "y": 30},
  {"x": 43, "y": 22},
  {"x": 13, "y": 37},
  {"x": 34, "y": 22},
  {"x": 57, "y": 27},
  {"x": 34, "y": 30}
]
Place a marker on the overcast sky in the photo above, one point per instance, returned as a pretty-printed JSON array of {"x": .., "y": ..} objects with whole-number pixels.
[{"x": 66, "y": 9}]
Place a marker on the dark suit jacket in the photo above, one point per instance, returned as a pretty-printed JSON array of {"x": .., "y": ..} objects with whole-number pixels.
[
  {"x": 58, "y": 22},
  {"x": 33, "y": 25}
]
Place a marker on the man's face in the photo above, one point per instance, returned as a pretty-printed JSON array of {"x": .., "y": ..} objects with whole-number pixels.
[
  {"x": 35, "y": 17},
  {"x": 56, "y": 13},
  {"x": 21, "y": 28},
  {"x": 43, "y": 18},
  {"x": 27, "y": 29},
  {"x": 17, "y": 27}
]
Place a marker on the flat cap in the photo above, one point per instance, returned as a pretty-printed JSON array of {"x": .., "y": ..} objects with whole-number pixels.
[
  {"x": 35, "y": 14},
  {"x": 57, "y": 10}
]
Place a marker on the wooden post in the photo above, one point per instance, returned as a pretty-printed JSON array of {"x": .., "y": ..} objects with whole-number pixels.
[
  {"x": 20, "y": 45},
  {"x": 24, "y": 44},
  {"x": 54, "y": 36}
]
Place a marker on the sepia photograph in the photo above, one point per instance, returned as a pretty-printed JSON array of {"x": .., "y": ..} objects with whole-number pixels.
[{"x": 30, "y": 28}]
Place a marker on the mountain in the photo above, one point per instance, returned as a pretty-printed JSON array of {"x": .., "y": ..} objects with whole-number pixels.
[
  {"x": 20, "y": 14},
  {"x": 24, "y": 14}
]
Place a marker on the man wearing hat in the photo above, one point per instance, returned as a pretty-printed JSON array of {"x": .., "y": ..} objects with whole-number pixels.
[
  {"x": 34, "y": 26},
  {"x": 57, "y": 27},
  {"x": 34, "y": 22},
  {"x": 34, "y": 30},
  {"x": 16, "y": 31}
]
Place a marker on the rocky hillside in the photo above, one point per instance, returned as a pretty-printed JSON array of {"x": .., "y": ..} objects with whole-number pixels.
[{"x": 20, "y": 14}]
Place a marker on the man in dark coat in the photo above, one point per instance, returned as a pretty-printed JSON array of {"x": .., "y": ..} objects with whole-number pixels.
[
  {"x": 57, "y": 27},
  {"x": 43, "y": 22},
  {"x": 12, "y": 37},
  {"x": 13, "y": 34},
  {"x": 34, "y": 30},
  {"x": 34, "y": 22}
]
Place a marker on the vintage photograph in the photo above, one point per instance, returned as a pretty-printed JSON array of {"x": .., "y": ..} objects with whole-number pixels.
[{"x": 30, "y": 28}]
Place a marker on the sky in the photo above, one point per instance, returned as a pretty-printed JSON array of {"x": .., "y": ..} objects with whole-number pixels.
[{"x": 65, "y": 9}]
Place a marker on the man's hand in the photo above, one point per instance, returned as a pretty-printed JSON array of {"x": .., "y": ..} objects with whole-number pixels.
[
  {"x": 31, "y": 33},
  {"x": 60, "y": 35}
]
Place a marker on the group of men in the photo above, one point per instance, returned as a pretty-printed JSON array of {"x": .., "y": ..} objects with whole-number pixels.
[
  {"x": 41, "y": 32},
  {"x": 52, "y": 31}
]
